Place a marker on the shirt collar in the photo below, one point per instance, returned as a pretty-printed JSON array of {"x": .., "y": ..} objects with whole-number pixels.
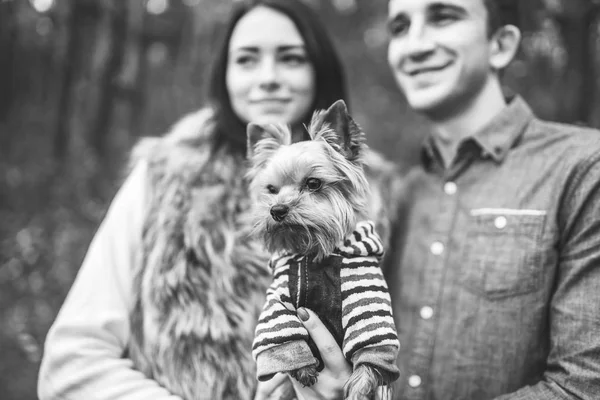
[{"x": 497, "y": 137}]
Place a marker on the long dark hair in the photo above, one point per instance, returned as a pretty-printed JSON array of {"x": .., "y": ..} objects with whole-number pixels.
[{"x": 330, "y": 82}]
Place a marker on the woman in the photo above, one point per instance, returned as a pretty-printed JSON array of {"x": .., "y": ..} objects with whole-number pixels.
[{"x": 165, "y": 304}]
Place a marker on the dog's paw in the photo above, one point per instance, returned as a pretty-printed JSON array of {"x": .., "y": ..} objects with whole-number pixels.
[{"x": 307, "y": 376}]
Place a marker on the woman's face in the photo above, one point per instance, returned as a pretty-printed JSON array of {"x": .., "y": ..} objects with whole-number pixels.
[{"x": 269, "y": 76}]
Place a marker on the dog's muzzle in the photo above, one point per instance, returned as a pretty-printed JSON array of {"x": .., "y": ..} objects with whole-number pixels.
[{"x": 279, "y": 211}]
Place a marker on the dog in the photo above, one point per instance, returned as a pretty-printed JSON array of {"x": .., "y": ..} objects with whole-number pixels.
[{"x": 311, "y": 212}]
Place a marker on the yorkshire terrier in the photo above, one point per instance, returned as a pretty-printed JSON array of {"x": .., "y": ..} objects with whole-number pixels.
[{"x": 311, "y": 211}]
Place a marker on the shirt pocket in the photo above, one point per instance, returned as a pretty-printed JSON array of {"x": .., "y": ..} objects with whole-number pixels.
[{"x": 502, "y": 252}]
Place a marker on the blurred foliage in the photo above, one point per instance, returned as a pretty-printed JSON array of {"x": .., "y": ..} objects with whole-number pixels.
[{"x": 81, "y": 80}]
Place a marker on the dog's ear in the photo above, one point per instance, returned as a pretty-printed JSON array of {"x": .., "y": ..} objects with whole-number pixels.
[
  {"x": 265, "y": 138},
  {"x": 345, "y": 135}
]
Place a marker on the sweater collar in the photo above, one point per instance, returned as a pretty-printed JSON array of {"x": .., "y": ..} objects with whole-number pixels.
[{"x": 362, "y": 242}]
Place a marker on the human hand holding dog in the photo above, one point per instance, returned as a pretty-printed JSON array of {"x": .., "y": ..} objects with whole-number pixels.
[
  {"x": 274, "y": 389},
  {"x": 332, "y": 378}
]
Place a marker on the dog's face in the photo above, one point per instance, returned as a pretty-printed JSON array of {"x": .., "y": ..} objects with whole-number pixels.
[{"x": 308, "y": 195}]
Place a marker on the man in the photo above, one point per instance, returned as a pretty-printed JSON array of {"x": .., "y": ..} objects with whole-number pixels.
[
  {"x": 495, "y": 272},
  {"x": 496, "y": 279}
]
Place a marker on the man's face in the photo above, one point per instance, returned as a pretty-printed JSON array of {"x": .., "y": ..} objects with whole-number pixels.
[{"x": 439, "y": 52}]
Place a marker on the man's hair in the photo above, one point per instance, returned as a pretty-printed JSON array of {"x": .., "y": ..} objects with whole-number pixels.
[
  {"x": 330, "y": 84},
  {"x": 501, "y": 13}
]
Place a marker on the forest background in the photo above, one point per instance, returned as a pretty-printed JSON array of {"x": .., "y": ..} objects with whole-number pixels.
[{"x": 82, "y": 80}]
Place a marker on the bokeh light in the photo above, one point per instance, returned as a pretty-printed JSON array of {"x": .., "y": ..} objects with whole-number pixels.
[
  {"x": 44, "y": 26},
  {"x": 346, "y": 6},
  {"x": 157, "y": 53},
  {"x": 42, "y": 6},
  {"x": 157, "y": 7},
  {"x": 192, "y": 3}
]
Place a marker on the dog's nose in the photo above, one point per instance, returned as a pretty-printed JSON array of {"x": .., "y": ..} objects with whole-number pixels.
[{"x": 279, "y": 211}]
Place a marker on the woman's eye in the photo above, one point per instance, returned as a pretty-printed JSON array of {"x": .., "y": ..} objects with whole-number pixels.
[
  {"x": 313, "y": 184},
  {"x": 294, "y": 59},
  {"x": 272, "y": 189},
  {"x": 245, "y": 61}
]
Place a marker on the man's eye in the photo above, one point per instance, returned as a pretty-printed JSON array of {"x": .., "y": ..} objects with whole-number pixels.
[
  {"x": 442, "y": 18},
  {"x": 272, "y": 189},
  {"x": 398, "y": 27},
  {"x": 313, "y": 184}
]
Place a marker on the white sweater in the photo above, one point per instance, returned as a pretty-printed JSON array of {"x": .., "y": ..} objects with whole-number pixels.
[{"x": 83, "y": 353}]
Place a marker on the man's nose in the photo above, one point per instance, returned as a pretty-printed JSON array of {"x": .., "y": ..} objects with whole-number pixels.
[{"x": 420, "y": 42}]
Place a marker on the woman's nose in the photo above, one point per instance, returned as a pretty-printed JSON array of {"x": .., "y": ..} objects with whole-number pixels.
[{"x": 268, "y": 75}]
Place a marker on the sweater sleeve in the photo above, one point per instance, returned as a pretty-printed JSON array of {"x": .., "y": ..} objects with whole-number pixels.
[
  {"x": 369, "y": 331},
  {"x": 83, "y": 353},
  {"x": 281, "y": 340}
]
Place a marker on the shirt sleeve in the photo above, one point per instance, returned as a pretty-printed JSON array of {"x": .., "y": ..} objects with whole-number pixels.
[
  {"x": 83, "y": 353},
  {"x": 573, "y": 367}
]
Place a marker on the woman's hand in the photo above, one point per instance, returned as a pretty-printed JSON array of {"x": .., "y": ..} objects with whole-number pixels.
[
  {"x": 330, "y": 384},
  {"x": 274, "y": 388}
]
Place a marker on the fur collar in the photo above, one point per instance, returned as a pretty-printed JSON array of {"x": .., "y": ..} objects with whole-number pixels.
[{"x": 202, "y": 280}]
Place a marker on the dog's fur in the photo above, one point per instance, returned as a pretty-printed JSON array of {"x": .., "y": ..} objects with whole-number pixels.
[
  {"x": 317, "y": 220},
  {"x": 200, "y": 277},
  {"x": 309, "y": 197}
]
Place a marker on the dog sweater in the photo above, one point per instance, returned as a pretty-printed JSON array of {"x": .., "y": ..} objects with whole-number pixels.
[{"x": 348, "y": 293}]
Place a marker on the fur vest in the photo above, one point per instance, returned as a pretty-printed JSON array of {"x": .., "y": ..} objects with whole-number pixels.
[{"x": 201, "y": 282}]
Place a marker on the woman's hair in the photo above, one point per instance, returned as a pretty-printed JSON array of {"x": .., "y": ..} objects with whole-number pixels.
[{"x": 330, "y": 83}]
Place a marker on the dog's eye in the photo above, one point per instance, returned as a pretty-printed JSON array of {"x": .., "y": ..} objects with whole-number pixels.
[
  {"x": 272, "y": 189},
  {"x": 313, "y": 184}
]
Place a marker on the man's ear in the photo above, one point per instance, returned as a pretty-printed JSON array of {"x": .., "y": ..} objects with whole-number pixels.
[
  {"x": 505, "y": 44},
  {"x": 272, "y": 137},
  {"x": 346, "y": 137}
]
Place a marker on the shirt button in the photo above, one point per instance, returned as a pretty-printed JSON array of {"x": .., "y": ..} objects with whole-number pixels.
[
  {"x": 437, "y": 248},
  {"x": 500, "y": 222},
  {"x": 450, "y": 188},
  {"x": 414, "y": 381},
  {"x": 426, "y": 312}
]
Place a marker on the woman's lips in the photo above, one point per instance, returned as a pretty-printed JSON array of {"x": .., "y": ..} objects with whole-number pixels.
[{"x": 270, "y": 101}]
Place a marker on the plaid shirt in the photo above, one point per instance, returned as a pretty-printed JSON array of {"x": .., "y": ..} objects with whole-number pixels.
[{"x": 495, "y": 278}]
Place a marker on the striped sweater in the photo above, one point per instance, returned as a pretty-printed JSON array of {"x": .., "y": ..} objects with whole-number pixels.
[{"x": 349, "y": 294}]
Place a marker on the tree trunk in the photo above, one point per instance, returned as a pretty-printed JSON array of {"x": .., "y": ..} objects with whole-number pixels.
[
  {"x": 70, "y": 64},
  {"x": 8, "y": 38},
  {"x": 132, "y": 76},
  {"x": 575, "y": 21},
  {"x": 112, "y": 30}
]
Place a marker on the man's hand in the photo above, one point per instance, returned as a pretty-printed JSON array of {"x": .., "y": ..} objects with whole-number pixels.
[{"x": 330, "y": 384}]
